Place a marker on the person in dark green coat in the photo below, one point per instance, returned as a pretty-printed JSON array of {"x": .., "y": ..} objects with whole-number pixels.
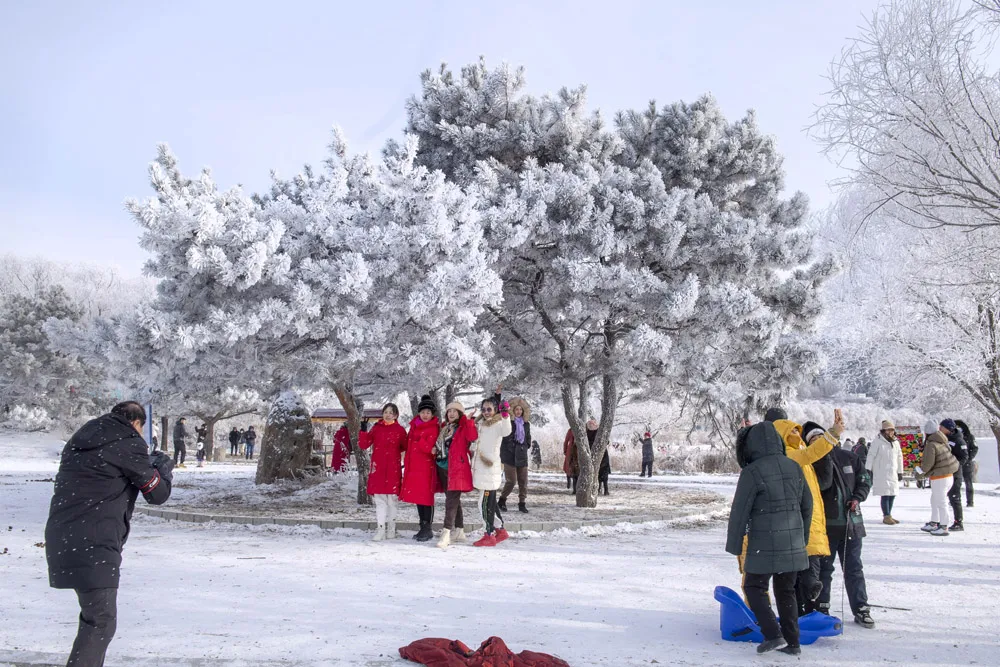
[{"x": 773, "y": 509}]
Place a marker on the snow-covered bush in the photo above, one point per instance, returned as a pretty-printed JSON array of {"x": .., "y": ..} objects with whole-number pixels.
[{"x": 22, "y": 418}]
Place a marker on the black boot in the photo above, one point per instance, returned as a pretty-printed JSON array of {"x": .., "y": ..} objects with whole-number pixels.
[
  {"x": 502, "y": 504},
  {"x": 522, "y": 508},
  {"x": 425, "y": 533}
]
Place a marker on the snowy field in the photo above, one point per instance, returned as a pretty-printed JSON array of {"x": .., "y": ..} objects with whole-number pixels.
[{"x": 197, "y": 594}]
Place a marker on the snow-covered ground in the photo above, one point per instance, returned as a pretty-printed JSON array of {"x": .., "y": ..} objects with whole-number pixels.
[{"x": 202, "y": 594}]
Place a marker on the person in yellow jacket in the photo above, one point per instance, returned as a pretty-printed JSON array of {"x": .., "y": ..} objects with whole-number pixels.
[{"x": 808, "y": 587}]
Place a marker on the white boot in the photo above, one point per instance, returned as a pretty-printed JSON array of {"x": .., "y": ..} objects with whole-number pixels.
[
  {"x": 458, "y": 534},
  {"x": 379, "y": 533},
  {"x": 390, "y": 531},
  {"x": 445, "y": 539}
]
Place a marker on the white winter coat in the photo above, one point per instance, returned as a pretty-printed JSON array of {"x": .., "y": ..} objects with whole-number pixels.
[
  {"x": 487, "y": 476},
  {"x": 885, "y": 462}
]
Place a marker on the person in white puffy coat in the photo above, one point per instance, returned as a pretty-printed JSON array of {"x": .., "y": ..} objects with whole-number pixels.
[
  {"x": 493, "y": 426},
  {"x": 885, "y": 462}
]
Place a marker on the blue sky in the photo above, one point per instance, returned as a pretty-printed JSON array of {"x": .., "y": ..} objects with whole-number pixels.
[{"x": 87, "y": 90}]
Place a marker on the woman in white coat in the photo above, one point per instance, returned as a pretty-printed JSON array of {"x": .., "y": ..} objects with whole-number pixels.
[
  {"x": 493, "y": 426},
  {"x": 885, "y": 462}
]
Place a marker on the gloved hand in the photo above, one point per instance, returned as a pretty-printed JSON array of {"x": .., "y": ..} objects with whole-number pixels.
[
  {"x": 505, "y": 409},
  {"x": 899, "y": 477},
  {"x": 364, "y": 424},
  {"x": 852, "y": 506},
  {"x": 163, "y": 464}
]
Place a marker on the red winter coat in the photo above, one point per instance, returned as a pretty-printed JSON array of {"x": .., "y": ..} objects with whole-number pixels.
[
  {"x": 571, "y": 465},
  {"x": 420, "y": 480},
  {"x": 492, "y": 653},
  {"x": 390, "y": 442},
  {"x": 341, "y": 449},
  {"x": 459, "y": 469}
]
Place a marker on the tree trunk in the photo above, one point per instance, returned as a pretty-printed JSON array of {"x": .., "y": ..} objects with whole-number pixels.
[
  {"x": 164, "y": 425},
  {"x": 286, "y": 447},
  {"x": 590, "y": 456},
  {"x": 350, "y": 405},
  {"x": 995, "y": 427}
]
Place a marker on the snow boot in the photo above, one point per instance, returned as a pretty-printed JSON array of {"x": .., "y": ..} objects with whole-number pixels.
[
  {"x": 957, "y": 526},
  {"x": 501, "y": 535},
  {"x": 929, "y": 527},
  {"x": 425, "y": 533},
  {"x": 458, "y": 534},
  {"x": 771, "y": 644},
  {"x": 864, "y": 618},
  {"x": 445, "y": 538},
  {"x": 888, "y": 520},
  {"x": 970, "y": 504},
  {"x": 940, "y": 531},
  {"x": 486, "y": 540},
  {"x": 379, "y": 534},
  {"x": 791, "y": 649},
  {"x": 502, "y": 504},
  {"x": 823, "y": 608},
  {"x": 895, "y": 521},
  {"x": 390, "y": 531},
  {"x": 521, "y": 507}
]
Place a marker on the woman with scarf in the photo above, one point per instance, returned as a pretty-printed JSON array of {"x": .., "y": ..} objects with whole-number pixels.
[
  {"x": 451, "y": 454},
  {"x": 420, "y": 479},
  {"x": 514, "y": 452},
  {"x": 493, "y": 426}
]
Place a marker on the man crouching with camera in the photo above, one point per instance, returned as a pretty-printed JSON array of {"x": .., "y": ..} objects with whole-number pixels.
[{"x": 102, "y": 470}]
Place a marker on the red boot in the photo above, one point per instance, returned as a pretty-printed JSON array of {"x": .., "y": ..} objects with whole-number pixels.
[
  {"x": 501, "y": 535},
  {"x": 485, "y": 541}
]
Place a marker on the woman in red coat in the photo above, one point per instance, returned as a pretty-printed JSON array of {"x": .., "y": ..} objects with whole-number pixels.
[
  {"x": 571, "y": 465},
  {"x": 451, "y": 453},
  {"x": 341, "y": 449},
  {"x": 420, "y": 480},
  {"x": 385, "y": 476}
]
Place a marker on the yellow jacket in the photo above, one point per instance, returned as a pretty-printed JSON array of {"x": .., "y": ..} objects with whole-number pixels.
[{"x": 805, "y": 456}]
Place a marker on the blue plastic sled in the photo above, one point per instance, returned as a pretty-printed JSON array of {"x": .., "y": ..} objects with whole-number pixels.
[{"x": 738, "y": 624}]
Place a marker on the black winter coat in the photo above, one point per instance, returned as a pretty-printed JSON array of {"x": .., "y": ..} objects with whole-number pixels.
[
  {"x": 181, "y": 434},
  {"x": 514, "y": 453},
  {"x": 846, "y": 480},
  {"x": 959, "y": 449},
  {"x": 772, "y": 506},
  {"x": 103, "y": 468},
  {"x": 604, "y": 471},
  {"x": 234, "y": 437},
  {"x": 647, "y": 450}
]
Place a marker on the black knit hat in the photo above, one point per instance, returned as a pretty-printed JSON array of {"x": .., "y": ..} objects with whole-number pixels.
[
  {"x": 808, "y": 428},
  {"x": 774, "y": 414},
  {"x": 427, "y": 403}
]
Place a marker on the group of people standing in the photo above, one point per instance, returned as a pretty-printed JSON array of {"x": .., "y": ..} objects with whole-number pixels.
[
  {"x": 796, "y": 509},
  {"x": 454, "y": 455},
  {"x": 242, "y": 442}
]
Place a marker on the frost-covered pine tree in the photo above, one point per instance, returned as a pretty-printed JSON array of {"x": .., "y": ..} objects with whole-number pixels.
[{"x": 659, "y": 250}]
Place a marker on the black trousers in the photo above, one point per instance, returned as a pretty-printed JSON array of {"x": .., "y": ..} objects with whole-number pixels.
[
  {"x": 234, "y": 448},
  {"x": 755, "y": 590},
  {"x": 425, "y": 513},
  {"x": 805, "y": 585},
  {"x": 967, "y": 475},
  {"x": 98, "y": 622},
  {"x": 179, "y": 451},
  {"x": 647, "y": 469},
  {"x": 955, "y": 496},
  {"x": 849, "y": 554}
]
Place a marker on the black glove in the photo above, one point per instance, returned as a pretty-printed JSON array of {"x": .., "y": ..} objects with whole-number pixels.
[
  {"x": 899, "y": 477},
  {"x": 364, "y": 424},
  {"x": 163, "y": 464}
]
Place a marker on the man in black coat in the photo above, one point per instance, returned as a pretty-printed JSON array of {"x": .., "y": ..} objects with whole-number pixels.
[
  {"x": 844, "y": 484},
  {"x": 968, "y": 468},
  {"x": 103, "y": 468},
  {"x": 234, "y": 442},
  {"x": 960, "y": 450},
  {"x": 181, "y": 436}
]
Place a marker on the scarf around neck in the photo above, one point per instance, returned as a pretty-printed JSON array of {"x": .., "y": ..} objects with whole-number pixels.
[{"x": 519, "y": 429}]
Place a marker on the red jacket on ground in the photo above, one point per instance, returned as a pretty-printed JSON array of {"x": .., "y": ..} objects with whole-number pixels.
[
  {"x": 389, "y": 444},
  {"x": 420, "y": 480},
  {"x": 341, "y": 449},
  {"x": 459, "y": 469},
  {"x": 492, "y": 653}
]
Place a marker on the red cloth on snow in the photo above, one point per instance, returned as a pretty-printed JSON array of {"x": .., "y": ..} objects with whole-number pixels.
[{"x": 493, "y": 652}]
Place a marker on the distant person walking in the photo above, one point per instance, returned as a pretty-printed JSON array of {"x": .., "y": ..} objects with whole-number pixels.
[
  {"x": 234, "y": 442},
  {"x": 969, "y": 467},
  {"x": 885, "y": 463},
  {"x": 647, "y": 455},
  {"x": 251, "y": 437},
  {"x": 181, "y": 436},
  {"x": 960, "y": 450}
]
